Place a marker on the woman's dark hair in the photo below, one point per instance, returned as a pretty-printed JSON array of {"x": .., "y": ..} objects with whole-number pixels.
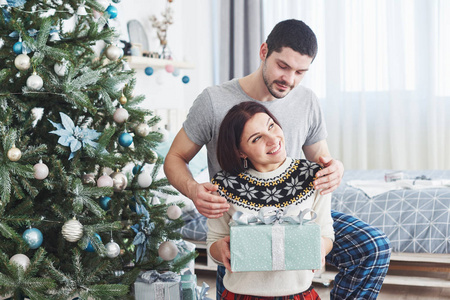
[
  {"x": 230, "y": 132},
  {"x": 294, "y": 34}
]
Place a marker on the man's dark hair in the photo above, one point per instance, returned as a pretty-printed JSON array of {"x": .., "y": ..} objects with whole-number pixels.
[
  {"x": 294, "y": 34},
  {"x": 230, "y": 134}
]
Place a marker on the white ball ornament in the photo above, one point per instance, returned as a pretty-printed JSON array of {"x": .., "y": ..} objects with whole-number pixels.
[
  {"x": 22, "y": 62},
  {"x": 72, "y": 230},
  {"x": 40, "y": 170},
  {"x": 14, "y": 154},
  {"x": 21, "y": 260},
  {"x": 112, "y": 249},
  {"x": 144, "y": 180},
  {"x": 168, "y": 250},
  {"x": 142, "y": 129},
  {"x": 174, "y": 212},
  {"x": 120, "y": 115},
  {"x": 60, "y": 69},
  {"x": 35, "y": 82},
  {"x": 120, "y": 181},
  {"x": 105, "y": 181},
  {"x": 113, "y": 52}
]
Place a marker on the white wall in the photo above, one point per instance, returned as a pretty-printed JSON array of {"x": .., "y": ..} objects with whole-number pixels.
[{"x": 189, "y": 39}]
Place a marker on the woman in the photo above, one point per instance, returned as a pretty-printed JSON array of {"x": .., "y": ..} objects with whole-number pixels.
[{"x": 256, "y": 172}]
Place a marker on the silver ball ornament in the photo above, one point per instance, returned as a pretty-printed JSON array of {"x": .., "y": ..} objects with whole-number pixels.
[
  {"x": 72, "y": 230},
  {"x": 105, "y": 181},
  {"x": 40, "y": 171},
  {"x": 60, "y": 69},
  {"x": 120, "y": 115},
  {"x": 113, "y": 52},
  {"x": 168, "y": 250},
  {"x": 21, "y": 260},
  {"x": 35, "y": 82},
  {"x": 144, "y": 179},
  {"x": 120, "y": 181},
  {"x": 142, "y": 129},
  {"x": 22, "y": 62},
  {"x": 174, "y": 212},
  {"x": 14, "y": 154},
  {"x": 88, "y": 179},
  {"x": 154, "y": 157},
  {"x": 112, "y": 249}
]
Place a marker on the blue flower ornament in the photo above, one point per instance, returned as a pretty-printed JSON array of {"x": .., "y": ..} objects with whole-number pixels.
[{"x": 73, "y": 136}]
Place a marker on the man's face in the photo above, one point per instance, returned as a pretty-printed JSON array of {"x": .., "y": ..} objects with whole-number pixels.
[{"x": 283, "y": 71}]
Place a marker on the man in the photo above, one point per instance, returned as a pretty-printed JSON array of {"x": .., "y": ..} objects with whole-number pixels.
[{"x": 361, "y": 253}]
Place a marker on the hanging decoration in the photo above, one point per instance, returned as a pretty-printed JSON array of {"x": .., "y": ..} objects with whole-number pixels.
[
  {"x": 35, "y": 82},
  {"x": 90, "y": 247},
  {"x": 14, "y": 154},
  {"x": 167, "y": 250},
  {"x": 144, "y": 179},
  {"x": 105, "y": 181},
  {"x": 72, "y": 230},
  {"x": 120, "y": 181},
  {"x": 174, "y": 212},
  {"x": 120, "y": 115},
  {"x": 112, "y": 11},
  {"x": 125, "y": 139},
  {"x": 104, "y": 202},
  {"x": 33, "y": 237},
  {"x": 21, "y": 260},
  {"x": 22, "y": 62},
  {"x": 112, "y": 249},
  {"x": 73, "y": 136},
  {"x": 142, "y": 129},
  {"x": 40, "y": 170},
  {"x": 143, "y": 232}
]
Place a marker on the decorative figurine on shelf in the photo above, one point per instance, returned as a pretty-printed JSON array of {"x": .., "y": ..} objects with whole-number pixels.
[{"x": 161, "y": 29}]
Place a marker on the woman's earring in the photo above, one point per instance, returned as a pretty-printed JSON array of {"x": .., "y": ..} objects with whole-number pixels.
[{"x": 245, "y": 163}]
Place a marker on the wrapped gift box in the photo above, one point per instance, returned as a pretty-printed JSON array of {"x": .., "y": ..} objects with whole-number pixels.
[
  {"x": 285, "y": 246},
  {"x": 154, "y": 286},
  {"x": 188, "y": 286}
]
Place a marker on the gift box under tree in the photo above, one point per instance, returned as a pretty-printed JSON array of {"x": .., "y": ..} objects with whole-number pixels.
[
  {"x": 274, "y": 241},
  {"x": 152, "y": 285}
]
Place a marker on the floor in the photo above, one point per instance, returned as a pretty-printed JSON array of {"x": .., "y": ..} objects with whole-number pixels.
[{"x": 388, "y": 292}]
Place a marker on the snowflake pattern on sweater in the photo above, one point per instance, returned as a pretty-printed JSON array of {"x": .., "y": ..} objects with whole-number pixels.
[{"x": 293, "y": 186}]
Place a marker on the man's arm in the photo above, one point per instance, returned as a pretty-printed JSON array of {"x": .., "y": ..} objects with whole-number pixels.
[
  {"x": 177, "y": 172},
  {"x": 330, "y": 176}
]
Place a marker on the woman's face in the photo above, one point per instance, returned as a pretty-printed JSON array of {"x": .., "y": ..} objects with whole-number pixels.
[{"x": 262, "y": 142}]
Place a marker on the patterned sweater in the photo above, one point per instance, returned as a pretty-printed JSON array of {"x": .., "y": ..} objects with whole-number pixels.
[{"x": 290, "y": 184}]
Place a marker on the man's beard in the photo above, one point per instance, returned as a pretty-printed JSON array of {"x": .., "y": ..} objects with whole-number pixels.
[{"x": 270, "y": 88}]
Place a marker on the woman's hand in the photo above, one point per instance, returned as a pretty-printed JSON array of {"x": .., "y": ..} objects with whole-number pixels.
[{"x": 221, "y": 251}]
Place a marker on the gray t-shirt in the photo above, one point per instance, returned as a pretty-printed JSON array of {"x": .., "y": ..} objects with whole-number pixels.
[{"x": 299, "y": 114}]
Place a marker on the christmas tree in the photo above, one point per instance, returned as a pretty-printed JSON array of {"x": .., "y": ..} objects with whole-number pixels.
[{"x": 73, "y": 223}]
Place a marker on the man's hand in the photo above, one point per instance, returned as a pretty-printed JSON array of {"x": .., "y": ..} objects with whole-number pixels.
[
  {"x": 207, "y": 201},
  {"x": 330, "y": 176}
]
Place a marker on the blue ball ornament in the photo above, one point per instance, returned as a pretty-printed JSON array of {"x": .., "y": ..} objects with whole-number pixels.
[
  {"x": 133, "y": 204},
  {"x": 17, "y": 48},
  {"x": 136, "y": 169},
  {"x": 176, "y": 72},
  {"x": 149, "y": 71},
  {"x": 89, "y": 247},
  {"x": 185, "y": 79},
  {"x": 112, "y": 11},
  {"x": 104, "y": 202},
  {"x": 125, "y": 139},
  {"x": 33, "y": 237}
]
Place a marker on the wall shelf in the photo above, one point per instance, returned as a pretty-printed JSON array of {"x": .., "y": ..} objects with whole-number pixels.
[{"x": 142, "y": 62}]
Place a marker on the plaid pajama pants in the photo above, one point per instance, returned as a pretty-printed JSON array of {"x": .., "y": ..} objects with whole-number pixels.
[{"x": 360, "y": 252}]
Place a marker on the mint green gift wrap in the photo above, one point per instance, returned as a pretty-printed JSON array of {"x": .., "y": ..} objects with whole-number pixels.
[
  {"x": 188, "y": 286},
  {"x": 274, "y": 247}
]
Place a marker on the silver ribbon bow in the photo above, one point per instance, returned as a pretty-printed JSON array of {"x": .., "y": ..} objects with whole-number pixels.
[
  {"x": 201, "y": 292},
  {"x": 153, "y": 276},
  {"x": 274, "y": 215}
]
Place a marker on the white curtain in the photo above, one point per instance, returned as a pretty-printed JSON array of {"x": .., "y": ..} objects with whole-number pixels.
[{"x": 383, "y": 77}]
